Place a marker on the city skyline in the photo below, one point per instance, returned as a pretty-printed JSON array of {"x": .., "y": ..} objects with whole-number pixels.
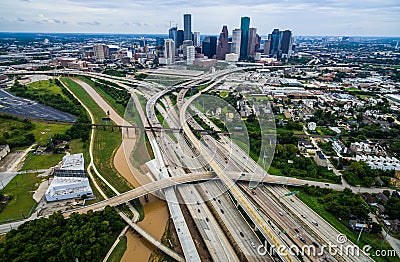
[{"x": 369, "y": 18}]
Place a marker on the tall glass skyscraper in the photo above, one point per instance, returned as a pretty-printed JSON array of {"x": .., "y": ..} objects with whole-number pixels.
[
  {"x": 244, "y": 26},
  {"x": 187, "y": 26},
  {"x": 236, "y": 41},
  {"x": 276, "y": 37},
  {"x": 209, "y": 46},
  {"x": 173, "y": 34}
]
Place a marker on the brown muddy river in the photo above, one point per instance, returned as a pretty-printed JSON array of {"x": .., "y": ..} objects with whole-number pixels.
[{"x": 156, "y": 210}]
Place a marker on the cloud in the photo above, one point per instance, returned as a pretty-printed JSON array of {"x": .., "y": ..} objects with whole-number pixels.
[
  {"x": 304, "y": 17},
  {"x": 44, "y": 19},
  {"x": 135, "y": 24},
  {"x": 93, "y": 23}
]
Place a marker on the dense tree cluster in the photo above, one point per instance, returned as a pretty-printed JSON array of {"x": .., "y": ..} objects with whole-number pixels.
[
  {"x": 392, "y": 207},
  {"x": 254, "y": 131},
  {"x": 18, "y": 135},
  {"x": 114, "y": 72},
  {"x": 50, "y": 99},
  {"x": 121, "y": 96},
  {"x": 302, "y": 167},
  {"x": 287, "y": 138},
  {"x": 294, "y": 125},
  {"x": 376, "y": 131},
  {"x": 323, "y": 118},
  {"x": 81, "y": 237},
  {"x": 344, "y": 204},
  {"x": 359, "y": 173}
]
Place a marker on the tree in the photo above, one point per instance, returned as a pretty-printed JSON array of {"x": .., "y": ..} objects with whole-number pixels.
[{"x": 392, "y": 208}]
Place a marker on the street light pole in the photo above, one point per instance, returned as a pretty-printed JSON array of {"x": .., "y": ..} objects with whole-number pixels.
[{"x": 358, "y": 239}]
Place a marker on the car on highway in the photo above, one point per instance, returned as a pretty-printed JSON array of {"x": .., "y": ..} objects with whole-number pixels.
[
  {"x": 253, "y": 245},
  {"x": 280, "y": 213},
  {"x": 253, "y": 192},
  {"x": 222, "y": 211},
  {"x": 302, "y": 240},
  {"x": 241, "y": 234},
  {"x": 303, "y": 216},
  {"x": 314, "y": 223}
]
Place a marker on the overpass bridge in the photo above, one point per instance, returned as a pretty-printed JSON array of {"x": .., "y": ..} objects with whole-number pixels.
[
  {"x": 189, "y": 178},
  {"x": 152, "y": 240}
]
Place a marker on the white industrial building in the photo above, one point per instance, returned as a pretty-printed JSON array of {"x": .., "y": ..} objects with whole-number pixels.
[
  {"x": 72, "y": 166},
  {"x": 62, "y": 188},
  {"x": 70, "y": 180}
]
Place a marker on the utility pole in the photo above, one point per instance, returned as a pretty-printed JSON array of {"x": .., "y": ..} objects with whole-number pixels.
[{"x": 358, "y": 239}]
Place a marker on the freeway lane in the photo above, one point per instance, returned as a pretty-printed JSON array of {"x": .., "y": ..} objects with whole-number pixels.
[
  {"x": 141, "y": 191},
  {"x": 261, "y": 225}
]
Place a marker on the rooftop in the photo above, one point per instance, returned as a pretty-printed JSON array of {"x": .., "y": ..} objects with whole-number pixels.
[{"x": 73, "y": 162}]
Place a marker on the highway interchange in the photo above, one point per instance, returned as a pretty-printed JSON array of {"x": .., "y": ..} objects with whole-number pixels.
[{"x": 229, "y": 215}]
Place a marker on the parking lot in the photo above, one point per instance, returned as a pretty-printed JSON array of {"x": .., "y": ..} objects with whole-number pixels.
[{"x": 10, "y": 104}]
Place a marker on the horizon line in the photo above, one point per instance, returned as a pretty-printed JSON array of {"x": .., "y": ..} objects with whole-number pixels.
[{"x": 109, "y": 33}]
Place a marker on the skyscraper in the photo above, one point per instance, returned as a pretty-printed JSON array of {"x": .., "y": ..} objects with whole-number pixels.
[
  {"x": 186, "y": 43},
  {"x": 173, "y": 34},
  {"x": 275, "y": 43},
  {"x": 180, "y": 39},
  {"x": 101, "y": 52},
  {"x": 169, "y": 51},
  {"x": 252, "y": 41},
  {"x": 187, "y": 26},
  {"x": 236, "y": 40},
  {"x": 191, "y": 52},
  {"x": 209, "y": 46},
  {"x": 244, "y": 26},
  {"x": 196, "y": 39},
  {"x": 286, "y": 43},
  {"x": 222, "y": 48},
  {"x": 267, "y": 46}
]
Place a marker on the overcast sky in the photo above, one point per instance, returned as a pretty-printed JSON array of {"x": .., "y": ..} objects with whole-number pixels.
[{"x": 303, "y": 17}]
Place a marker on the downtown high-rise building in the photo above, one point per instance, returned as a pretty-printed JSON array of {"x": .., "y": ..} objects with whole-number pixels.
[
  {"x": 275, "y": 37},
  {"x": 187, "y": 27},
  {"x": 281, "y": 43},
  {"x": 185, "y": 45},
  {"x": 209, "y": 46},
  {"x": 267, "y": 46},
  {"x": 244, "y": 26},
  {"x": 252, "y": 42},
  {"x": 180, "y": 38},
  {"x": 101, "y": 52},
  {"x": 169, "y": 51},
  {"x": 196, "y": 39},
  {"x": 286, "y": 43},
  {"x": 173, "y": 34},
  {"x": 190, "y": 54},
  {"x": 236, "y": 41},
  {"x": 223, "y": 47}
]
